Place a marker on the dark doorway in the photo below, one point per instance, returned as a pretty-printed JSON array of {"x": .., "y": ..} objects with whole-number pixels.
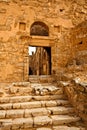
[{"x": 40, "y": 61}]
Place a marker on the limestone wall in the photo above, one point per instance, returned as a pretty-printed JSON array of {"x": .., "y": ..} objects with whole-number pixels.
[
  {"x": 75, "y": 76},
  {"x": 16, "y": 18},
  {"x": 78, "y": 61}
]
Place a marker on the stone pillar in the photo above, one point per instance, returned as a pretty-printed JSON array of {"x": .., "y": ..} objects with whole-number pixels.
[
  {"x": 26, "y": 68},
  {"x": 26, "y": 64}
]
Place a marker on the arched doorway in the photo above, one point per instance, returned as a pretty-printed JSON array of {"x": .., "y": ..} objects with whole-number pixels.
[{"x": 40, "y": 60}]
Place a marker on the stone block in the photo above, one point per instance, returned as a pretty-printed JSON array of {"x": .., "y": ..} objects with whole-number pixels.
[
  {"x": 14, "y": 113},
  {"x": 22, "y": 122},
  {"x": 63, "y": 119},
  {"x": 2, "y": 114},
  {"x": 16, "y": 106},
  {"x": 50, "y": 103},
  {"x": 20, "y": 99},
  {"x": 5, "y": 106},
  {"x": 27, "y": 113},
  {"x": 28, "y": 122},
  {"x": 26, "y": 105},
  {"x": 60, "y": 110},
  {"x": 42, "y": 120},
  {"x": 36, "y": 112},
  {"x": 4, "y": 100},
  {"x": 67, "y": 128},
  {"x": 62, "y": 102}
]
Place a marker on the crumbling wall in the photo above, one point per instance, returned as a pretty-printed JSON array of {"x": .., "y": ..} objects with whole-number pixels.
[
  {"x": 75, "y": 76},
  {"x": 77, "y": 94}
]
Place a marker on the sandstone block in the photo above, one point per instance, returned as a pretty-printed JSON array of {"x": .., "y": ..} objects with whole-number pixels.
[
  {"x": 20, "y": 99},
  {"x": 16, "y": 106},
  {"x": 26, "y": 105},
  {"x": 23, "y": 122},
  {"x": 28, "y": 122},
  {"x": 5, "y": 124},
  {"x": 5, "y": 106},
  {"x": 2, "y": 114},
  {"x": 59, "y": 110},
  {"x": 27, "y": 113},
  {"x": 67, "y": 128},
  {"x": 36, "y": 112},
  {"x": 1, "y": 92},
  {"x": 43, "y": 103},
  {"x": 62, "y": 102},
  {"x": 4, "y": 100},
  {"x": 42, "y": 120},
  {"x": 14, "y": 113},
  {"x": 63, "y": 119},
  {"x": 50, "y": 103}
]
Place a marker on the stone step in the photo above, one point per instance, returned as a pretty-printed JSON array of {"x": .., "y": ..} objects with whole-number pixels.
[
  {"x": 60, "y": 110},
  {"x": 34, "y": 104},
  {"x": 41, "y": 79},
  {"x": 61, "y": 128},
  {"x": 20, "y": 113},
  {"x": 54, "y": 120},
  {"x": 16, "y": 99},
  {"x": 31, "y": 122},
  {"x": 35, "y": 89}
]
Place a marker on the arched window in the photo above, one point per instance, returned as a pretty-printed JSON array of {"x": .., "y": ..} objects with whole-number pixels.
[{"x": 39, "y": 29}]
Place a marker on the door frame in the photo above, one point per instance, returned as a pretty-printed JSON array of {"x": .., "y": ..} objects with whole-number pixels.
[{"x": 35, "y": 41}]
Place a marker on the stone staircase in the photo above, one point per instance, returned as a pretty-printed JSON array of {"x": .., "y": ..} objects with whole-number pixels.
[{"x": 36, "y": 106}]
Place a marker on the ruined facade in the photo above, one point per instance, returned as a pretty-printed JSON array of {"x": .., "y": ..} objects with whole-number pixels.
[
  {"x": 58, "y": 29},
  {"x": 56, "y": 20}
]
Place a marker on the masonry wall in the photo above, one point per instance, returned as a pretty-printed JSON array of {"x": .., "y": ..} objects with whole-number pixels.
[
  {"x": 16, "y": 18},
  {"x": 76, "y": 71},
  {"x": 79, "y": 43}
]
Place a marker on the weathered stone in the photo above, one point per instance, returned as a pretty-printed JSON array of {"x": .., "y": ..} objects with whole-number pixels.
[
  {"x": 67, "y": 128},
  {"x": 36, "y": 112},
  {"x": 50, "y": 103},
  {"x": 20, "y": 99},
  {"x": 2, "y": 114},
  {"x": 22, "y": 122},
  {"x": 42, "y": 120},
  {"x": 62, "y": 102},
  {"x": 60, "y": 110},
  {"x": 63, "y": 119},
  {"x": 14, "y": 113},
  {"x": 5, "y": 106},
  {"x": 26, "y": 105},
  {"x": 16, "y": 106},
  {"x": 77, "y": 94},
  {"x": 1, "y": 93}
]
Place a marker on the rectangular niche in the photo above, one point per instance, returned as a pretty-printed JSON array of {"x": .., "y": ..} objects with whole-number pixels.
[
  {"x": 22, "y": 26},
  {"x": 57, "y": 28}
]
